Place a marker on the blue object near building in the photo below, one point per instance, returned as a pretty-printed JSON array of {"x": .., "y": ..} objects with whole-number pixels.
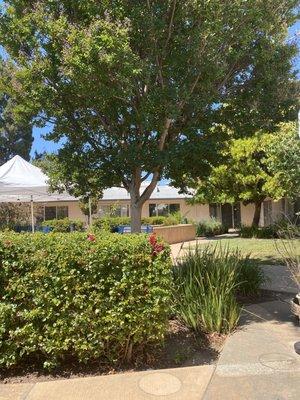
[{"x": 127, "y": 229}]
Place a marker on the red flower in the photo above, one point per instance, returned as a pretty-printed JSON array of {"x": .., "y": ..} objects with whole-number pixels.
[
  {"x": 156, "y": 247},
  {"x": 91, "y": 237},
  {"x": 152, "y": 239}
]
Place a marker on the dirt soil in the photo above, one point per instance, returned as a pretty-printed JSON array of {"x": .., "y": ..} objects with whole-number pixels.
[{"x": 182, "y": 348}]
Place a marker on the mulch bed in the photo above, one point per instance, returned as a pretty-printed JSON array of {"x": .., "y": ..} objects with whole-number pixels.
[{"x": 182, "y": 348}]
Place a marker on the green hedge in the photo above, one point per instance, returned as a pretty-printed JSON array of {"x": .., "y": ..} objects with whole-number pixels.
[
  {"x": 82, "y": 297},
  {"x": 267, "y": 232},
  {"x": 64, "y": 225},
  {"x": 279, "y": 229},
  {"x": 109, "y": 223},
  {"x": 211, "y": 227}
]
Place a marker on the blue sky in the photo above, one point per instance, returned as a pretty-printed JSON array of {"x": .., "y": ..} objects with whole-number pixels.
[{"x": 40, "y": 144}]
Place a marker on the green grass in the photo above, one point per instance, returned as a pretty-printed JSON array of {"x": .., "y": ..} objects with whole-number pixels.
[{"x": 262, "y": 250}]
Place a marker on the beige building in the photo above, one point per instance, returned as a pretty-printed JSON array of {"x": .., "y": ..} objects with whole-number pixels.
[{"x": 164, "y": 200}]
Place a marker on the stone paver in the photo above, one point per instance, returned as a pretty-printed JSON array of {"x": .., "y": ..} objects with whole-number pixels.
[{"x": 173, "y": 384}]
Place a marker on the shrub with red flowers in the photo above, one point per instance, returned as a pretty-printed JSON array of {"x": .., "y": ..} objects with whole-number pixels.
[
  {"x": 91, "y": 237},
  {"x": 97, "y": 297},
  {"x": 156, "y": 246}
]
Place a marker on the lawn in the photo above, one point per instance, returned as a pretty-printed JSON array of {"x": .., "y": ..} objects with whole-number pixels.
[{"x": 263, "y": 250}]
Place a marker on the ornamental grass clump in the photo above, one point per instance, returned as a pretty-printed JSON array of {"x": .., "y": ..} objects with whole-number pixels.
[
  {"x": 206, "y": 283},
  {"x": 88, "y": 297}
]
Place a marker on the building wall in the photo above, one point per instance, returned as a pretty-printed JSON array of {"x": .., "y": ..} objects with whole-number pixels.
[
  {"x": 73, "y": 208},
  {"x": 195, "y": 212},
  {"x": 247, "y": 213}
]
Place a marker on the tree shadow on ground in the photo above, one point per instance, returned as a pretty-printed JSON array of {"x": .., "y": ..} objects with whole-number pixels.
[{"x": 271, "y": 307}]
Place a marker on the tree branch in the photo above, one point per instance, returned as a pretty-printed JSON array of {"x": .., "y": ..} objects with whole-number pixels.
[
  {"x": 149, "y": 189},
  {"x": 170, "y": 26},
  {"x": 164, "y": 134}
]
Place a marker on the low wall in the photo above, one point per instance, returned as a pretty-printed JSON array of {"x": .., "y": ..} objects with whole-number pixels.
[{"x": 176, "y": 233}]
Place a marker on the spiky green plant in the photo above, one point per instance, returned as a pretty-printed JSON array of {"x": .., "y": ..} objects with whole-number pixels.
[{"x": 206, "y": 281}]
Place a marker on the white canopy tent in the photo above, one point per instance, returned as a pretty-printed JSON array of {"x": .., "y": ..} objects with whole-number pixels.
[{"x": 21, "y": 181}]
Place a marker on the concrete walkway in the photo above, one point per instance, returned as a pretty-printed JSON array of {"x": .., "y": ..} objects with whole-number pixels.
[
  {"x": 258, "y": 361},
  {"x": 278, "y": 279},
  {"x": 173, "y": 384}
]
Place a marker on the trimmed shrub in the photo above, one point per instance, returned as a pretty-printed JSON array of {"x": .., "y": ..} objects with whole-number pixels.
[
  {"x": 64, "y": 225},
  {"x": 171, "y": 219},
  {"x": 211, "y": 227},
  {"x": 111, "y": 223},
  {"x": 96, "y": 297},
  {"x": 206, "y": 283},
  {"x": 266, "y": 232},
  {"x": 153, "y": 220}
]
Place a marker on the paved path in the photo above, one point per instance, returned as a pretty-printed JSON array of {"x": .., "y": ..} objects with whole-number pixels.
[
  {"x": 258, "y": 361},
  {"x": 278, "y": 279},
  {"x": 174, "y": 384}
]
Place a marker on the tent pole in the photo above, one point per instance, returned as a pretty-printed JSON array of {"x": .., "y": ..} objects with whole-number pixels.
[
  {"x": 32, "y": 216},
  {"x": 90, "y": 212}
]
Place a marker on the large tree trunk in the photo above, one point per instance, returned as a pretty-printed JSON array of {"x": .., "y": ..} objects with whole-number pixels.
[
  {"x": 136, "y": 216},
  {"x": 137, "y": 200},
  {"x": 256, "y": 215}
]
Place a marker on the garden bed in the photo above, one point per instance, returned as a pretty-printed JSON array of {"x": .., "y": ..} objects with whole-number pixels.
[{"x": 181, "y": 348}]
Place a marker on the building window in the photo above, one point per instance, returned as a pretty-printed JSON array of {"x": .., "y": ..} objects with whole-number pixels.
[
  {"x": 62, "y": 212},
  {"x": 56, "y": 212},
  {"x": 50, "y": 213},
  {"x": 174, "y": 208},
  {"x": 113, "y": 210},
  {"x": 163, "y": 210}
]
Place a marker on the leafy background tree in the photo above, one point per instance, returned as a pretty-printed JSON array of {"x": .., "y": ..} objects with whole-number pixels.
[
  {"x": 15, "y": 136},
  {"x": 135, "y": 88},
  {"x": 254, "y": 168}
]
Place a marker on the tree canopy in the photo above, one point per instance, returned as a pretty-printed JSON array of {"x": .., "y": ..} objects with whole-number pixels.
[
  {"x": 135, "y": 88},
  {"x": 255, "y": 168},
  {"x": 15, "y": 136}
]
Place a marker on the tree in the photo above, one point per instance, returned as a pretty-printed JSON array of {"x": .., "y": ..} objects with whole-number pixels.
[
  {"x": 283, "y": 160},
  {"x": 85, "y": 205},
  {"x": 254, "y": 168},
  {"x": 133, "y": 87},
  {"x": 15, "y": 136}
]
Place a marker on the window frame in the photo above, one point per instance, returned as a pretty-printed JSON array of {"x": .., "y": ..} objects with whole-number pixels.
[
  {"x": 66, "y": 207},
  {"x": 108, "y": 210},
  {"x": 156, "y": 210}
]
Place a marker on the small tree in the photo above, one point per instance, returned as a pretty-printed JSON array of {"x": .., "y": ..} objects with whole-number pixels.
[
  {"x": 254, "y": 168},
  {"x": 85, "y": 205},
  {"x": 133, "y": 88}
]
